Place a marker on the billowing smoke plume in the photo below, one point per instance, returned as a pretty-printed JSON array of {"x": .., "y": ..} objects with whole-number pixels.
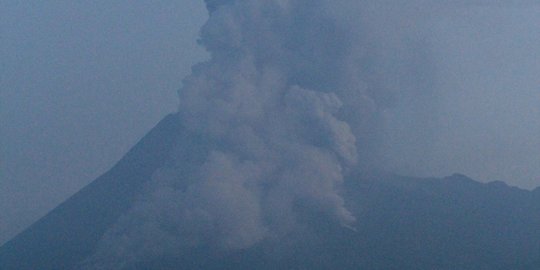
[{"x": 287, "y": 105}]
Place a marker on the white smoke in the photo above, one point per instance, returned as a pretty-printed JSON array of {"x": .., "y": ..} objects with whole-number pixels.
[{"x": 285, "y": 107}]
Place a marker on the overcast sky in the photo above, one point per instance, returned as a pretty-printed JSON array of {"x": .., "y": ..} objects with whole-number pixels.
[{"x": 81, "y": 82}]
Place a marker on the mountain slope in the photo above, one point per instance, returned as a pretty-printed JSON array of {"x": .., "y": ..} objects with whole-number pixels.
[
  {"x": 402, "y": 223},
  {"x": 70, "y": 232}
]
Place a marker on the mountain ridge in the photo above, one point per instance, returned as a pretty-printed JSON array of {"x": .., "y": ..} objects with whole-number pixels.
[
  {"x": 100, "y": 199},
  {"x": 402, "y": 223}
]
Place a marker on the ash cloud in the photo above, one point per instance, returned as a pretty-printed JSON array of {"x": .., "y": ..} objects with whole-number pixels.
[{"x": 291, "y": 101}]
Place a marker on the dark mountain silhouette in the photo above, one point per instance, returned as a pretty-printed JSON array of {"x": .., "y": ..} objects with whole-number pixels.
[
  {"x": 71, "y": 231},
  {"x": 402, "y": 223}
]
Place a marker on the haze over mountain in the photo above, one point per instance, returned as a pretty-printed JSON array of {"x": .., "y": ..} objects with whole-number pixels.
[
  {"x": 82, "y": 82},
  {"x": 289, "y": 139},
  {"x": 403, "y": 223}
]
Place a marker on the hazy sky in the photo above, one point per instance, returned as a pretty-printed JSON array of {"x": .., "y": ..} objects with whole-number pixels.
[
  {"x": 486, "y": 63},
  {"x": 489, "y": 84},
  {"x": 81, "y": 82}
]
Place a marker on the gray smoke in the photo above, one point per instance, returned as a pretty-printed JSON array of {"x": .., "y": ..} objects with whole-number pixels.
[{"x": 295, "y": 96}]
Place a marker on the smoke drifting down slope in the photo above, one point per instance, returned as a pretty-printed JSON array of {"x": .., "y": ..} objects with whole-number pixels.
[{"x": 283, "y": 110}]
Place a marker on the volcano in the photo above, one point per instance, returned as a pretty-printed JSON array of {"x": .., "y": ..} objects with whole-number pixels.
[
  {"x": 283, "y": 151},
  {"x": 402, "y": 223},
  {"x": 71, "y": 231}
]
